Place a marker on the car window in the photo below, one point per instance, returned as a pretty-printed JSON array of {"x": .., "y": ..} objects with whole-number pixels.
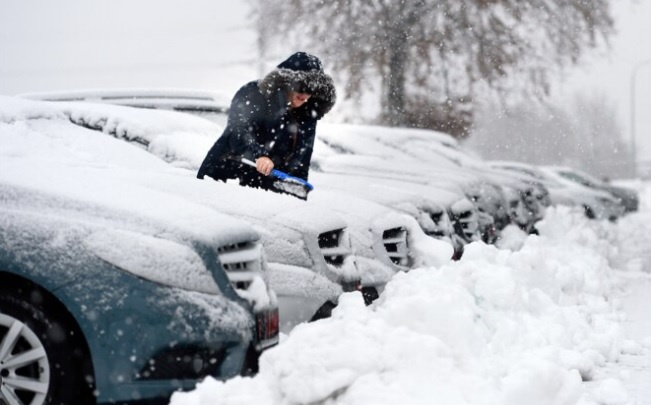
[{"x": 576, "y": 178}]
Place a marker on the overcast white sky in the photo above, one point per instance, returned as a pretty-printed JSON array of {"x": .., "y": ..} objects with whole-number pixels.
[
  {"x": 70, "y": 44},
  {"x": 47, "y": 45}
]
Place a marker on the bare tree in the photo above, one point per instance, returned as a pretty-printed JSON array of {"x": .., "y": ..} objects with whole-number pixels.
[{"x": 435, "y": 58}]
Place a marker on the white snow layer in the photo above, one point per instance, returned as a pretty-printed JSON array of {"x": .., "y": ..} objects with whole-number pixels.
[{"x": 523, "y": 324}]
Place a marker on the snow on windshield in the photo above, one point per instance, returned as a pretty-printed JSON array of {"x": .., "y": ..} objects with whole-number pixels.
[
  {"x": 178, "y": 138},
  {"x": 500, "y": 326}
]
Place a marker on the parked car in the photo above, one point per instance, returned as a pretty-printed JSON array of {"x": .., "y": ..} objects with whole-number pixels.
[
  {"x": 439, "y": 157},
  {"x": 525, "y": 199},
  {"x": 297, "y": 235},
  {"x": 594, "y": 203},
  {"x": 382, "y": 235},
  {"x": 628, "y": 197},
  {"x": 437, "y": 211},
  {"x": 110, "y": 291},
  {"x": 308, "y": 248},
  {"x": 345, "y": 154}
]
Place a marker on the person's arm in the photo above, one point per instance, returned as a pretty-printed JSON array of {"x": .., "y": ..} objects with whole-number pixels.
[{"x": 299, "y": 164}]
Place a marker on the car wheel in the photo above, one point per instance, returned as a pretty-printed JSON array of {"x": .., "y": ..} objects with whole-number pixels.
[{"x": 40, "y": 360}]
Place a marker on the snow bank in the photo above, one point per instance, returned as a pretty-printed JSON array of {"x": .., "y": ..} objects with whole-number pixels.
[{"x": 522, "y": 324}]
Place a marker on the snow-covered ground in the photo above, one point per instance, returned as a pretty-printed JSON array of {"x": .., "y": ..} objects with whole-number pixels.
[{"x": 556, "y": 319}]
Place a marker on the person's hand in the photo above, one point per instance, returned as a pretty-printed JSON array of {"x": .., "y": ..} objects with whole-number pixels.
[{"x": 264, "y": 165}]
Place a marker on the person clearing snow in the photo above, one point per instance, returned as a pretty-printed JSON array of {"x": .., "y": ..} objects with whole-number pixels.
[{"x": 272, "y": 123}]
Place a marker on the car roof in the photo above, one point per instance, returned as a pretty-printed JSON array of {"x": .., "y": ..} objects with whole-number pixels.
[{"x": 152, "y": 97}]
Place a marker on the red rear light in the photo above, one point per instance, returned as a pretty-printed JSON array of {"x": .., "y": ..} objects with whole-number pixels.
[
  {"x": 273, "y": 324},
  {"x": 349, "y": 286},
  {"x": 268, "y": 327}
]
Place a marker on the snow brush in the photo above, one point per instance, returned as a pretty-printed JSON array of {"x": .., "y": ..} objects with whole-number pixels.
[{"x": 287, "y": 183}]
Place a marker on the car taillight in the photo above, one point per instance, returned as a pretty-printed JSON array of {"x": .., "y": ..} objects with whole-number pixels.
[
  {"x": 268, "y": 328},
  {"x": 348, "y": 286}
]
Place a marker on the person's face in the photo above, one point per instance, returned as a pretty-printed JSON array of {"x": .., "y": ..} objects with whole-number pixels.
[{"x": 297, "y": 99}]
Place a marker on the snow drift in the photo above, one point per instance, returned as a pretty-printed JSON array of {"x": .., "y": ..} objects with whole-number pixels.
[{"x": 499, "y": 326}]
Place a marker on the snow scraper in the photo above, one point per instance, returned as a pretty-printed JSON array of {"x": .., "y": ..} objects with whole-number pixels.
[{"x": 286, "y": 183}]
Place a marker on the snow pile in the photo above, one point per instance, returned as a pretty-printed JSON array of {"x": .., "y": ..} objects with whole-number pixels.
[
  {"x": 500, "y": 326},
  {"x": 633, "y": 234}
]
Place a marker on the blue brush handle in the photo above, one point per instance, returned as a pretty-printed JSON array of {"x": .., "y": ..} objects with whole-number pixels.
[
  {"x": 284, "y": 176},
  {"x": 281, "y": 175}
]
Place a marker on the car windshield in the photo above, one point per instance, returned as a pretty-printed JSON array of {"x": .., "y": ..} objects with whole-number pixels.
[{"x": 578, "y": 179}]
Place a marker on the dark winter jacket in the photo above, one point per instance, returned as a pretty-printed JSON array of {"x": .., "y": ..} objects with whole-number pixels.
[{"x": 260, "y": 123}]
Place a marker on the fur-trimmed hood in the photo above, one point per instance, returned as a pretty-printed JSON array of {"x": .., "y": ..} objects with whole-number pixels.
[{"x": 314, "y": 82}]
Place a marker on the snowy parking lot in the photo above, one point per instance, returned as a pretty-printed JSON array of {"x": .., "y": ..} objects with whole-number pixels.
[
  {"x": 560, "y": 318},
  {"x": 557, "y": 317},
  {"x": 477, "y": 232}
]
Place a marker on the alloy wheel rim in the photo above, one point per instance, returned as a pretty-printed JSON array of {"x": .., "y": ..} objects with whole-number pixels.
[{"x": 24, "y": 367}]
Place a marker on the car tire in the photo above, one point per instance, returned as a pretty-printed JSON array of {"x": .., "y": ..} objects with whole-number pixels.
[
  {"x": 53, "y": 358},
  {"x": 325, "y": 311}
]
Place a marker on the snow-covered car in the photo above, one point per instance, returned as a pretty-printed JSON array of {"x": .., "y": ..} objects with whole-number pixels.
[
  {"x": 438, "y": 157},
  {"x": 433, "y": 209},
  {"x": 531, "y": 196},
  {"x": 595, "y": 203},
  {"x": 626, "y": 196},
  {"x": 343, "y": 153},
  {"x": 378, "y": 238},
  {"x": 526, "y": 200},
  {"x": 206, "y": 104},
  {"x": 385, "y": 240},
  {"x": 111, "y": 291},
  {"x": 297, "y": 235},
  {"x": 308, "y": 248}
]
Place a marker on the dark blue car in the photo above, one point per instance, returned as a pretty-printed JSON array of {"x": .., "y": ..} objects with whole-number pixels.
[
  {"x": 86, "y": 317},
  {"x": 112, "y": 292}
]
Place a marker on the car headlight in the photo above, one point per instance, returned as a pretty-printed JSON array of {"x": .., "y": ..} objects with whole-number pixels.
[{"x": 153, "y": 258}]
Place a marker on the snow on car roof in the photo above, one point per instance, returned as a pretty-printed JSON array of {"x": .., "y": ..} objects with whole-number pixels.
[
  {"x": 349, "y": 131},
  {"x": 165, "y": 96},
  {"x": 42, "y": 150},
  {"x": 388, "y": 191},
  {"x": 179, "y": 138},
  {"x": 152, "y": 126}
]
